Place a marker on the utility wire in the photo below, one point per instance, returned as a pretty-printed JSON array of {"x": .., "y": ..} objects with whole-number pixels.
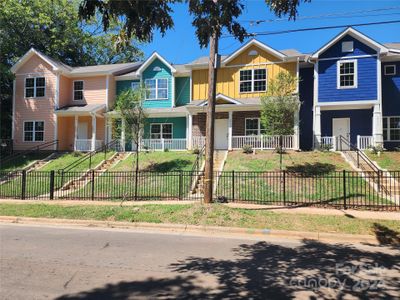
[{"x": 315, "y": 28}]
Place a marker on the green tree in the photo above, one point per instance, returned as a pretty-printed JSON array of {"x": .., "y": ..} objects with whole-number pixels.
[
  {"x": 129, "y": 105},
  {"x": 279, "y": 106},
  {"x": 211, "y": 18},
  {"x": 53, "y": 27}
]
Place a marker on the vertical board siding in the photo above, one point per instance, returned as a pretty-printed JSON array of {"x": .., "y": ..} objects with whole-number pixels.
[
  {"x": 228, "y": 77},
  {"x": 178, "y": 124},
  {"x": 182, "y": 91},
  {"x": 165, "y": 72},
  {"x": 391, "y": 91},
  {"x": 359, "y": 49},
  {"x": 306, "y": 93}
]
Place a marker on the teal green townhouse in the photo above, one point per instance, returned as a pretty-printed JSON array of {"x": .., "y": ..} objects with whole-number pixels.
[{"x": 349, "y": 89}]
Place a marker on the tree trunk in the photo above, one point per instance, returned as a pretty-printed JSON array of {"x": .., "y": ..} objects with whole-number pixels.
[
  {"x": 210, "y": 121},
  {"x": 137, "y": 167}
]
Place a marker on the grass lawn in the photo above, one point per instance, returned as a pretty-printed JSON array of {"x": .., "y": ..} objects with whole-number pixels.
[
  {"x": 38, "y": 182},
  {"x": 389, "y": 160},
  {"x": 196, "y": 214},
  {"x": 160, "y": 177},
  {"x": 22, "y": 161},
  {"x": 311, "y": 177}
]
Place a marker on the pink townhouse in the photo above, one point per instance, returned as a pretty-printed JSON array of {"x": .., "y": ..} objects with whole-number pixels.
[{"x": 55, "y": 102}]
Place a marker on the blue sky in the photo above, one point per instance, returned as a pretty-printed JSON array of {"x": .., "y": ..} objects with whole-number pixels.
[{"x": 180, "y": 44}]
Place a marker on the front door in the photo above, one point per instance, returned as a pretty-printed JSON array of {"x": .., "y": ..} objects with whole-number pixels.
[
  {"x": 82, "y": 131},
  {"x": 341, "y": 127},
  {"x": 221, "y": 134}
]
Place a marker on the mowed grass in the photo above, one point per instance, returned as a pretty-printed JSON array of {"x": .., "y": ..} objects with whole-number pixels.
[
  {"x": 311, "y": 177},
  {"x": 389, "y": 160},
  {"x": 160, "y": 177},
  {"x": 197, "y": 214},
  {"x": 21, "y": 162},
  {"x": 38, "y": 182}
]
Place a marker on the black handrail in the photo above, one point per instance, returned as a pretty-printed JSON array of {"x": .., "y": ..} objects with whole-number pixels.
[
  {"x": 199, "y": 159},
  {"x": 29, "y": 151}
]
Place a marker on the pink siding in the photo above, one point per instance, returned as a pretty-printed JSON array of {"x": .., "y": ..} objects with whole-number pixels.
[
  {"x": 111, "y": 92},
  {"x": 65, "y": 91},
  {"x": 34, "y": 109},
  {"x": 94, "y": 90}
]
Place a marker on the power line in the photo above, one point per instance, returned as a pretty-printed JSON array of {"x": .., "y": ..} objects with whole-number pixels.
[
  {"x": 343, "y": 14},
  {"x": 316, "y": 28}
]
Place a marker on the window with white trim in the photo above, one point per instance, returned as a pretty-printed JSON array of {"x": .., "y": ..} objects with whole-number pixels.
[
  {"x": 161, "y": 130},
  {"x": 157, "y": 89},
  {"x": 33, "y": 131},
  {"x": 254, "y": 80},
  {"x": 347, "y": 74},
  {"x": 253, "y": 126},
  {"x": 35, "y": 87},
  {"x": 78, "y": 90},
  {"x": 390, "y": 70},
  {"x": 391, "y": 129},
  {"x": 135, "y": 85}
]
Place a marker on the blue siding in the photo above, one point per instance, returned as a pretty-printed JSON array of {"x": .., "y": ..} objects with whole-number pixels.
[
  {"x": 306, "y": 92},
  {"x": 360, "y": 122},
  {"x": 178, "y": 126},
  {"x": 165, "y": 72},
  {"x": 123, "y": 85},
  {"x": 336, "y": 49},
  {"x": 182, "y": 90},
  {"x": 391, "y": 91}
]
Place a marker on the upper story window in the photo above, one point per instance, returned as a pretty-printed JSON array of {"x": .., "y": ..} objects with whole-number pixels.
[
  {"x": 157, "y": 89},
  {"x": 390, "y": 70},
  {"x": 253, "y": 126},
  {"x": 254, "y": 80},
  {"x": 347, "y": 74},
  {"x": 161, "y": 131},
  {"x": 348, "y": 46},
  {"x": 33, "y": 131},
  {"x": 135, "y": 85},
  {"x": 391, "y": 129},
  {"x": 35, "y": 87},
  {"x": 78, "y": 90}
]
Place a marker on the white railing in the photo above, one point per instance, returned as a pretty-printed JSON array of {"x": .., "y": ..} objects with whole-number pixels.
[
  {"x": 328, "y": 142},
  {"x": 85, "y": 145},
  {"x": 162, "y": 144},
  {"x": 262, "y": 142},
  {"x": 198, "y": 142},
  {"x": 365, "y": 142}
]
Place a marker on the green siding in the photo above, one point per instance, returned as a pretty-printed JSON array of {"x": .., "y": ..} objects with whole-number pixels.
[
  {"x": 178, "y": 127},
  {"x": 165, "y": 72},
  {"x": 124, "y": 85},
  {"x": 182, "y": 90}
]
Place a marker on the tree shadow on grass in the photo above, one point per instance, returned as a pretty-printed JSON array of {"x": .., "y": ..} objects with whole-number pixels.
[
  {"x": 314, "y": 169},
  {"x": 386, "y": 236},
  {"x": 167, "y": 166},
  {"x": 262, "y": 270}
]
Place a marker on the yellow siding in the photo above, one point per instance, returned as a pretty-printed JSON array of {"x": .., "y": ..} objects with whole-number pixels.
[{"x": 228, "y": 77}]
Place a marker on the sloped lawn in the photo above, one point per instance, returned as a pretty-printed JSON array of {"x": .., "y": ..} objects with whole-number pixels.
[
  {"x": 310, "y": 178},
  {"x": 21, "y": 162},
  {"x": 389, "y": 160}
]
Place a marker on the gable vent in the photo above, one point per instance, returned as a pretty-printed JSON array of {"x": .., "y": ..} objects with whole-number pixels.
[
  {"x": 253, "y": 53},
  {"x": 348, "y": 46},
  {"x": 157, "y": 69}
]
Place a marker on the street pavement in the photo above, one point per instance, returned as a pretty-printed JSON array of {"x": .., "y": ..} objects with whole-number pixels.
[{"x": 53, "y": 262}]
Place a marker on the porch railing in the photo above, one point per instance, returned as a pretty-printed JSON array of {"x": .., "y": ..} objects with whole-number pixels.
[
  {"x": 162, "y": 144},
  {"x": 85, "y": 145},
  {"x": 365, "y": 142},
  {"x": 198, "y": 142},
  {"x": 263, "y": 142},
  {"x": 329, "y": 142}
]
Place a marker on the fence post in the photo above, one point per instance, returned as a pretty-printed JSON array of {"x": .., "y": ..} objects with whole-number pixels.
[
  {"x": 344, "y": 190},
  {"x": 90, "y": 160},
  {"x": 51, "y": 184},
  {"x": 23, "y": 182},
  {"x": 233, "y": 185},
  {"x": 180, "y": 184},
  {"x": 284, "y": 187},
  {"x": 358, "y": 159},
  {"x": 92, "y": 197}
]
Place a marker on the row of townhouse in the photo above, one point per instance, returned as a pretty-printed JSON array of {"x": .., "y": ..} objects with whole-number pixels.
[{"x": 350, "y": 87}]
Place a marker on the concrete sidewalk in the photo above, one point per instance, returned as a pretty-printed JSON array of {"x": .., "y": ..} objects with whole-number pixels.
[{"x": 356, "y": 214}]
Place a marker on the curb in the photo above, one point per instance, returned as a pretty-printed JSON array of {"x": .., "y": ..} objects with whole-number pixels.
[{"x": 196, "y": 229}]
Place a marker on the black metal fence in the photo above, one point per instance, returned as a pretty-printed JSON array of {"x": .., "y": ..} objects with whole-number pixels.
[{"x": 345, "y": 189}]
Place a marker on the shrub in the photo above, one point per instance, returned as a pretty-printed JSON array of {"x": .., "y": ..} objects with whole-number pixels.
[
  {"x": 376, "y": 149},
  {"x": 196, "y": 151},
  {"x": 166, "y": 150},
  {"x": 247, "y": 149},
  {"x": 397, "y": 149},
  {"x": 280, "y": 150},
  {"x": 326, "y": 147}
]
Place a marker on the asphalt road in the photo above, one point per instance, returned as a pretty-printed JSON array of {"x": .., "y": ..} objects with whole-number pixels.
[{"x": 43, "y": 262}]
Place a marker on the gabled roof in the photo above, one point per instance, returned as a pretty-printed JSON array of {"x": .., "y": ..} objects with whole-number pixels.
[
  {"x": 355, "y": 34},
  {"x": 56, "y": 65},
  {"x": 220, "y": 96},
  {"x": 258, "y": 44},
  {"x": 393, "y": 47},
  {"x": 153, "y": 57}
]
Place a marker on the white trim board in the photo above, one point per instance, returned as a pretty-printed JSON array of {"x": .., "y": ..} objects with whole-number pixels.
[{"x": 153, "y": 57}]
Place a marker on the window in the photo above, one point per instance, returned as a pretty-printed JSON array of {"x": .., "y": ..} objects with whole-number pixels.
[
  {"x": 347, "y": 74},
  {"x": 34, "y": 131},
  {"x": 157, "y": 89},
  {"x": 253, "y": 80},
  {"x": 161, "y": 130},
  {"x": 348, "y": 46},
  {"x": 253, "y": 127},
  {"x": 135, "y": 85},
  {"x": 390, "y": 70},
  {"x": 35, "y": 87},
  {"x": 78, "y": 90},
  {"x": 391, "y": 129}
]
